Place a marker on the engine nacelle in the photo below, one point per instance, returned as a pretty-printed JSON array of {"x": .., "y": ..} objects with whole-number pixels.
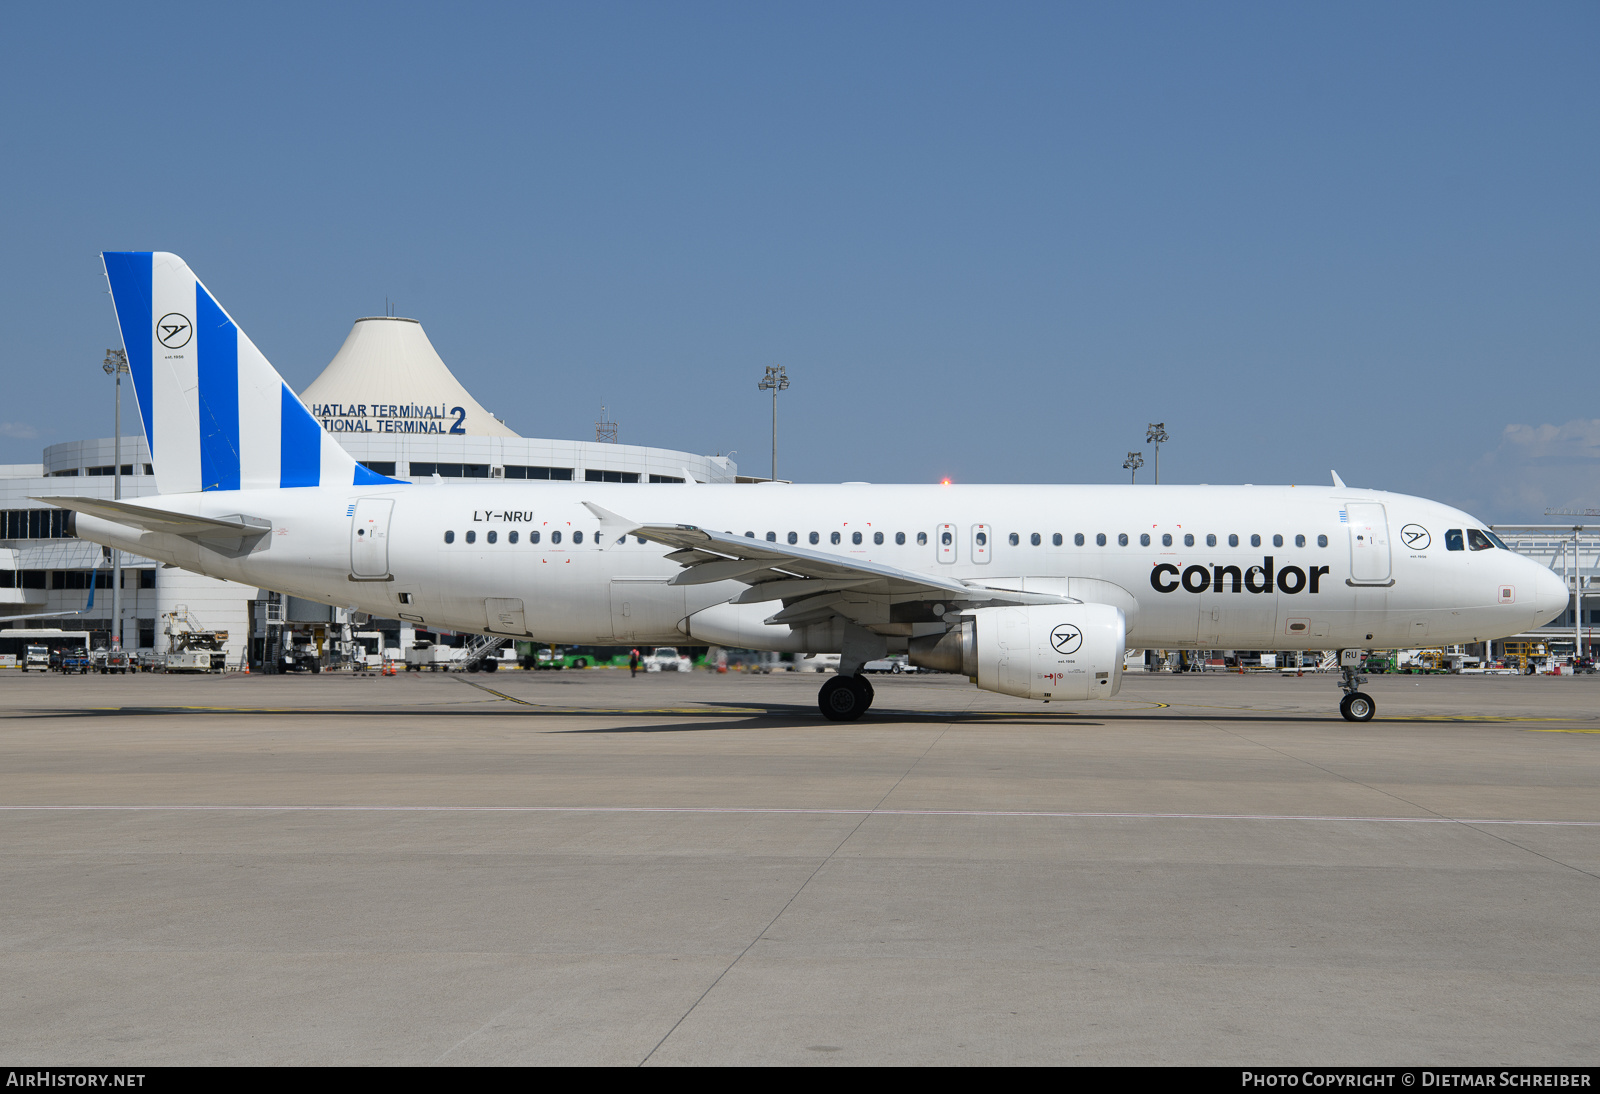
[{"x": 1070, "y": 651}]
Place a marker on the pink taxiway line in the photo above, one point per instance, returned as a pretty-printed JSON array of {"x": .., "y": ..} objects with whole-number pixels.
[{"x": 774, "y": 810}]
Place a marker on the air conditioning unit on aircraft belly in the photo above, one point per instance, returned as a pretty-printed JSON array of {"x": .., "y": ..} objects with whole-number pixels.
[{"x": 1068, "y": 651}]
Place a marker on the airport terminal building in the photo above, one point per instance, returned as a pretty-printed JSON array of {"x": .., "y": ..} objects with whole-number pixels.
[{"x": 392, "y": 403}]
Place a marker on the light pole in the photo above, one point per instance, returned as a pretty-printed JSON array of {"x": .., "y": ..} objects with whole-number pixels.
[
  {"x": 1155, "y": 433},
  {"x": 115, "y": 364},
  {"x": 775, "y": 380},
  {"x": 1132, "y": 464}
]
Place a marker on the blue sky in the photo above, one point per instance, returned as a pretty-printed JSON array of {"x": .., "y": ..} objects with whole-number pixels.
[{"x": 989, "y": 242}]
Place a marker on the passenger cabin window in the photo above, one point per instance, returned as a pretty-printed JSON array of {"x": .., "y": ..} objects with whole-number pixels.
[
  {"x": 1055, "y": 540},
  {"x": 944, "y": 538},
  {"x": 982, "y": 538},
  {"x": 1277, "y": 541},
  {"x": 1211, "y": 539},
  {"x": 749, "y": 535},
  {"x": 814, "y": 538},
  {"x": 1322, "y": 541},
  {"x": 450, "y": 537},
  {"x": 1035, "y": 539},
  {"x": 877, "y": 538},
  {"x": 1233, "y": 540},
  {"x": 1299, "y": 541},
  {"x": 1122, "y": 539},
  {"x": 1188, "y": 539},
  {"x": 492, "y": 537},
  {"x": 1478, "y": 541},
  {"x": 1144, "y": 539},
  {"x": 855, "y": 538},
  {"x": 794, "y": 537},
  {"x": 555, "y": 537},
  {"x": 511, "y": 537},
  {"x": 772, "y": 537},
  {"x": 577, "y": 537},
  {"x": 922, "y": 539},
  {"x": 1255, "y": 541},
  {"x": 900, "y": 539},
  {"x": 1100, "y": 539},
  {"x": 1078, "y": 539},
  {"x": 1166, "y": 539},
  {"x": 1016, "y": 540},
  {"x": 472, "y": 537},
  {"x": 833, "y": 538}
]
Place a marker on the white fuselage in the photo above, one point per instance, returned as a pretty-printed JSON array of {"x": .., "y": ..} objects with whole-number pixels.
[{"x": 577, "y": 585}]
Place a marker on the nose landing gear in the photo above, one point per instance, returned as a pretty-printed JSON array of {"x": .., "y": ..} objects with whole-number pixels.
[
  {"x": 1357, "y": 705},
  {"x": 844, "y": 698}
]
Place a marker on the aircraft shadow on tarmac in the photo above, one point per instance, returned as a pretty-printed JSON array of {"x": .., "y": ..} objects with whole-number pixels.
[{"x": 712, "y": 717}]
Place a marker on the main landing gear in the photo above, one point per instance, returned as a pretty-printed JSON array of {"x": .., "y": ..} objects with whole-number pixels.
[
  {"x": 1357, "y": 705},
  {"x": 844, "y": 698}
]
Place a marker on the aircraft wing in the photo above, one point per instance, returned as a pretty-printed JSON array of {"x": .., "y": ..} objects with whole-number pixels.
[{"x": 812, "y": 584}]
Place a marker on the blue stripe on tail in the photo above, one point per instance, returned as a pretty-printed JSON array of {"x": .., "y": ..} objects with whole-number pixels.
[
  {"x": 300, "y": 444},
  {"x": 131, "y": 274},
  {"x": 217, "y": 342}
]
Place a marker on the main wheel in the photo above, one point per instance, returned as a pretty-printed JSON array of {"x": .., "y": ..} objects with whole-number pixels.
[
  {"x": 1357, "y": 707},
  {"x": 844, "y": 698}
]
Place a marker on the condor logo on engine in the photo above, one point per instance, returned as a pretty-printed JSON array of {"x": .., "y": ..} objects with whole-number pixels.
[
  {"x": 1167, "y": 578},
  {"x": 1066, "y": 639}
]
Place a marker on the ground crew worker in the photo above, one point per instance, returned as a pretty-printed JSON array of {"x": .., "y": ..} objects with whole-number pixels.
[{"x": 633, "y": 664}]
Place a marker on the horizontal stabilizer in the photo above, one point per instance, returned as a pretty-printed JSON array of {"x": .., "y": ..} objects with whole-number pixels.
[{"x": 163, "y": 520}]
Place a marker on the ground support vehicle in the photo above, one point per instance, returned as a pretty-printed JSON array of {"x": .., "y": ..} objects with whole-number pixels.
[
  {"x": 666, "y": 659},
  {"x": 75, "y": 661},
  {"x": 428, "y": 656},
  {"x": 896, "y": 664},
  {"x": 554, "y": 659},
  {"x": 113, "y": 661},
  {"x": 37, "y": 659},
  {"x": 187, "y": 661}
]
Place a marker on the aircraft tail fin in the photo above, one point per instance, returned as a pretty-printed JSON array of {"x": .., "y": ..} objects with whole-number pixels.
[{"x": 216, "y": 414}]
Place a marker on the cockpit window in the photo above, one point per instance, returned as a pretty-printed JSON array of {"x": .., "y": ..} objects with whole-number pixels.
[
  {"x": 1478, "y": 541},
  {"x": 1452, "y": 540},
  {"x": 1496, "y": 540}
]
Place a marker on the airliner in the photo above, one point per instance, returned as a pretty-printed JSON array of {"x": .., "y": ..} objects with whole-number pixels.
[{"x": 1030, "y": 591}]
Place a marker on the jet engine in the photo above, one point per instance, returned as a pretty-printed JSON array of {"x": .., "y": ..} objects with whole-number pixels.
[{"x": 1067, "y": 651}]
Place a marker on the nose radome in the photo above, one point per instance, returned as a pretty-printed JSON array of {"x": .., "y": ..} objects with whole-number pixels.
[{"x": 1550, "y": 595}]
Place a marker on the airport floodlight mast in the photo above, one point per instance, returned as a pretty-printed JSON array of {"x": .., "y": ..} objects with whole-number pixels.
[
  {"x": 605, "y": 430},
  {"x": 1132, "y": 464},
  {"x": 115, "y": 364},
  {"x": 775, "y": 380},
  {"x": 1155, "y": 433}
]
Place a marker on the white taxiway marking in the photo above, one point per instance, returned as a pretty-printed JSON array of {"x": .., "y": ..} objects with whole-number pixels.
[{"x": 769, "y": 810}]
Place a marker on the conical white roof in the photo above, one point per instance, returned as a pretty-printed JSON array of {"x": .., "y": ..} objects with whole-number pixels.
[{"x": 388, "y": 378}]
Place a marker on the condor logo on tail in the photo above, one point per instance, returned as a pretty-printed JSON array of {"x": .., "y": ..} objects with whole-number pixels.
[{"x": 1167, "y": 578}]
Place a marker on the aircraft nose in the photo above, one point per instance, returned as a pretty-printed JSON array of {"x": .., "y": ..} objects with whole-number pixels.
[{"x": 1549, "y": 595}]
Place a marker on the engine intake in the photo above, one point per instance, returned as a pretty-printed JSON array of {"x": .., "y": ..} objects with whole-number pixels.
[{"x": 1070, "y": 651}]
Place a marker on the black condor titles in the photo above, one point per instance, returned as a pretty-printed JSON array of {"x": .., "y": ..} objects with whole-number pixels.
[{"x": 1167, "y": 578}]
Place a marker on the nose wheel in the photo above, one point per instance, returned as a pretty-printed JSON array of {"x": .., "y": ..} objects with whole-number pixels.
[
  {"x": 1357, "y": 707},
  {"x": 844, "y": 698}
]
